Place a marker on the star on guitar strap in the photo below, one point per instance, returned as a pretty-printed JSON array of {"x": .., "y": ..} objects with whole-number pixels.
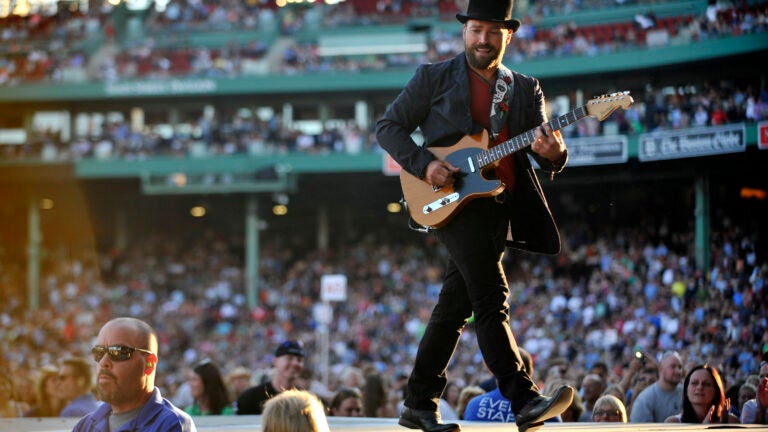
[{"x": 500, "y": 103}]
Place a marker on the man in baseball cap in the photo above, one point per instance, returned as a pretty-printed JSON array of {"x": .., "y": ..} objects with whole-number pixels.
[
  {"x": 295, "y": 348},
  {"x": 287, "y": 366}
]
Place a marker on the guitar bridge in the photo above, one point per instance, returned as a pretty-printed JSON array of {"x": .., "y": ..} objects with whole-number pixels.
[{"x": 442, "y": 202}]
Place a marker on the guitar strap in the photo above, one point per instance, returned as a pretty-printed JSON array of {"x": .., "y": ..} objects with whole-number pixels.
[
  {"x": 502, "y": 96},
  {"x": 501, "y": 101}
]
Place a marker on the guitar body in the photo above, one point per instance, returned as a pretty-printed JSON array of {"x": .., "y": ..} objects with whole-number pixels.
[{"x": 435, "y": 207}]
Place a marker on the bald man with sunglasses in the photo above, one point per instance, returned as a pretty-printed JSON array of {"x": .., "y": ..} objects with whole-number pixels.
[{"x": 126, "y": 354}]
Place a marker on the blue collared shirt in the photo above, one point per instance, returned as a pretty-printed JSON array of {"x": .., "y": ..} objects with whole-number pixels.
[
  {"x": 157, "y": 415},
  {"x": 81, "y": 406}
]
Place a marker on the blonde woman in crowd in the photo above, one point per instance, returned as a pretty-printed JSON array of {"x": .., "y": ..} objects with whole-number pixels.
[
  {"x": 609, "y": 408},
  {"x": 294, "y": 411}
]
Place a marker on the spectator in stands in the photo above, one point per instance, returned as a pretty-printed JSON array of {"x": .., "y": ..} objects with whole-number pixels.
[
  {"x": 641, "y": 363},
  {"x": 238, "y": 380},
  {"x": 467, "y": 394},
  {"x": 397, "y": 392},
  {"x": 48, "y": 402},
  {"x": 346, "y": 402},
  {"x": 450, "y": 399},
  {"x": 601, "y": 369},
  {"x": 126, "y": 353},
  {"x": 182, "y": 396},
  {"x": 755, "y": 411},
  {"x": 494, "y": 407},
  {"x": 645, "y": 377},
  {"x": 294, "y": 410},
  {"x": 592, "y": 387},
  {"x": 609, "y": 408},
  {"x": 646, "y": 21},
  {"x": 704, "y": 398},
  {"x": 288, "y": 364},
  {"x": 664, "y": 397},
  {"x": 615, "y": 390},
  {"x": 309, "y": 382},
  {"x": 747, "y": 391},
  {"x": 475, "y": 238},
  {"x": 375, "y": 401},
  {"x": 352, "y": 376},
  {"x": 9, "y": 406},
  {"x": 210, "y": 392},
  {"x": 75, "y": 386}
]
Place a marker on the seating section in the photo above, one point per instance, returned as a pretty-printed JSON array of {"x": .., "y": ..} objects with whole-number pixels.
[
  {"x": 619, "y": 31},
  {"x": 62, "y": 48}
]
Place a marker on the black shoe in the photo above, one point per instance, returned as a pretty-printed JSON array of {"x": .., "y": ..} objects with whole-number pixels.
[
  {"x": 540, "y": 408},
  {"x": 428, "y": 421}
]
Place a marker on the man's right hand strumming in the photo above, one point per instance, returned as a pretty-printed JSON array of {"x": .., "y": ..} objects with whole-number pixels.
[{"x": 440, "y": 173}]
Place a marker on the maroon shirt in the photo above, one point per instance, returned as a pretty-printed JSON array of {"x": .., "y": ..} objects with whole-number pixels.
[{"x": 480, "y": 92}]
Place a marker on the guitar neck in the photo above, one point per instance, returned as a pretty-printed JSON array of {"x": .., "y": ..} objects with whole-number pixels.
[{"x": 525, "y": 139}]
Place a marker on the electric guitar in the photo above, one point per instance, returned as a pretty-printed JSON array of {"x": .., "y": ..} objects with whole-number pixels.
[{"x": 433, "y": 207}]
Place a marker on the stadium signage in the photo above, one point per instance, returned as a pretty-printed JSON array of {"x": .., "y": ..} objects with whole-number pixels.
[
  {"x": 692, "y": 142},
  {"x": 161, "y": 88},
  {"x": 762, "y": 135},
  {"x": 599, "y": 150}
]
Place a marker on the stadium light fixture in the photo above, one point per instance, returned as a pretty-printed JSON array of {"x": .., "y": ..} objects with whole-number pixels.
[
  {"x": 279, "y": 210},
  {"x": 46, "y": 204},
  {"x": 197, "y": 211},
  {"x": 394, "y": 207}
]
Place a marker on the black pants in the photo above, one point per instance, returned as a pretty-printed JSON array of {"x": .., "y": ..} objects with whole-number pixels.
[{"x": 474, "y": 282}]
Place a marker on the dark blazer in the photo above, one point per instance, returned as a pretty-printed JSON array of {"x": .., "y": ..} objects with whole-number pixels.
[{"x": 436, "y": 99}]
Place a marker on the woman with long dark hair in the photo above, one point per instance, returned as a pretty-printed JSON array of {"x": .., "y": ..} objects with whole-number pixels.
[
  {"x": 704, "y": 398},
  {"x": 207, "y": 387},
  {"x": 346, "y": 402}
]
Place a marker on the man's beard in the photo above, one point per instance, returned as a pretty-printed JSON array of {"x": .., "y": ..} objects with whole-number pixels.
[{"x": 492, "y": 60}]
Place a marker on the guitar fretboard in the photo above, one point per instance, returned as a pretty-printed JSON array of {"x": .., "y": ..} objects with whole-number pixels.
[{"x": 493, "y": 154}]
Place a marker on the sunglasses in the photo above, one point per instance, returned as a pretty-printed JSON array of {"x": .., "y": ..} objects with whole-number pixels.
[
  {"x": 605, "y": 413},
  {"x": 116, "y": 353}
]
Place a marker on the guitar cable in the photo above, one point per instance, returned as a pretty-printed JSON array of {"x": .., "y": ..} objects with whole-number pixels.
[{"x": 412, "y": 224}]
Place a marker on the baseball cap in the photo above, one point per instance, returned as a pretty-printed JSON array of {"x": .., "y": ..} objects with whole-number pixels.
[{"x": 290, "y": 347}]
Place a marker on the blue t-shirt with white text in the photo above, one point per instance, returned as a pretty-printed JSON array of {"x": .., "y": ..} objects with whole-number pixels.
[{"x": 493, "y": 407}]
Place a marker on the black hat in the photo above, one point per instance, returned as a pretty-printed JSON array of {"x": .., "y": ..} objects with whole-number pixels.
[
  {"x": 498, "y": 11},
  {"x": 290, "y": 347}
]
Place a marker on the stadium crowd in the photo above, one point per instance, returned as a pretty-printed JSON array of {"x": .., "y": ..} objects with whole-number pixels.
[
  {"x": 47, "y": 50},
  {"x": 687, "y": 106},
  {"x": 614, "y": 290}
]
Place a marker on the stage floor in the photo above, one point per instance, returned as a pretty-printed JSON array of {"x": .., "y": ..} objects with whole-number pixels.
[{"x": 253, "y": 424}]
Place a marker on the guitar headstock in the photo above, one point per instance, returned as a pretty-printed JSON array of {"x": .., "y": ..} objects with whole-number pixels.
[{"x": 602, "y": 106}]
